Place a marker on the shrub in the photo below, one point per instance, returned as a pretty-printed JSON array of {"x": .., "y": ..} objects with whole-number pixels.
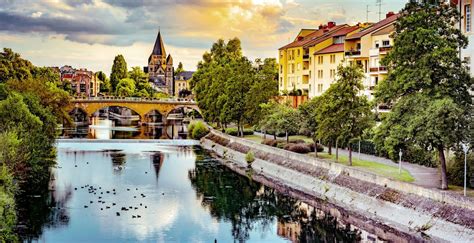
[
  {"x": 280, "y": 145},
  {"x": 297, "y": 141},
  {"x": 319, "y": 147},
  {"x": 191, "y": 128},
  {"x": 250, "y": 158},
  {"x": 200, "y": 130},
  {"x": 455, "y": 169},
  {"x": 270, "y": 142},
  {"x": 298, "y": 148},
  {"x": 233, "y": 131}
]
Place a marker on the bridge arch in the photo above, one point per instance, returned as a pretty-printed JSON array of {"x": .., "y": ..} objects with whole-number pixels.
[
  {"x": 185, "y": 109},
  {"x": 153, "y": 117}
]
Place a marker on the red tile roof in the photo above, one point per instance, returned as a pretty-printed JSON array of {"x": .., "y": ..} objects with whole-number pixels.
[
  {"x": 331, "y": 49},
  {"x": 327, "y": 35},
  {"x": 346, "y": 31},
  {"x": 312, "y": 37},
  {"x": 374, "y": 27}
]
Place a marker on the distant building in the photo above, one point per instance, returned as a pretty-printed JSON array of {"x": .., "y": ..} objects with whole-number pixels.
[
  {"x": 83, "y": 82},
  {"x": 181, "y": 82},
  {"x": 160, "y": 68}
]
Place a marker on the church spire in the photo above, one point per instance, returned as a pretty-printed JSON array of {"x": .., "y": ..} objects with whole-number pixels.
[{"x": 159, "y": 48}]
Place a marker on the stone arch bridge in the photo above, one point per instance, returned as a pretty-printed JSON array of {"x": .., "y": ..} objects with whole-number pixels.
[{"x": 142, "y": 106}]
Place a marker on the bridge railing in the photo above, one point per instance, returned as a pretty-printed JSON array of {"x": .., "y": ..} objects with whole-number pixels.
[{"x": 132, "y": 99}]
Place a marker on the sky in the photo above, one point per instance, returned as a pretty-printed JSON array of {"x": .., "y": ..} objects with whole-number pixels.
[{"x": 90, "y": 33}]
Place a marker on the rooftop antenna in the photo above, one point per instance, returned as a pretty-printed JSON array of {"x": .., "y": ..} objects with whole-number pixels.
[
  {"x": 367, "y": 14},
  {"x": 379, "y": 4}
]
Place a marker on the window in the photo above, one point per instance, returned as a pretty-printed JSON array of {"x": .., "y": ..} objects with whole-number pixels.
[
  {"x": 376, "y": 80},
  {"x": 386, "y": 43},
  {"x": 377, "y": 44},
  {"x": 281, "y": 81},
  {"x": 358, "y": 46},
  {"x": 309, "y": 73},
  {"x": 332, "y": 73},
  {"x": 468, "y": 18},
  {"x": 281, "y": 54},
  {"x": 320, "y": 60},
  {"x": 298, "y": 67},
  {"x": 281, "y": 68},
  {"x": 332, "y": 59},
  {"x": 320, "y": 88},
  {"x": 320, "y": 74},
  {"x": 298, "y": 52}
]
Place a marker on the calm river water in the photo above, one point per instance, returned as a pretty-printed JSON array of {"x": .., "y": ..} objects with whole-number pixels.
[{"x": 129, "y": 192}]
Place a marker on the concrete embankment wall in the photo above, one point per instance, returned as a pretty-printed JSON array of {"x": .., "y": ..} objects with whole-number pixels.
[{"x": 404, "y": 206}]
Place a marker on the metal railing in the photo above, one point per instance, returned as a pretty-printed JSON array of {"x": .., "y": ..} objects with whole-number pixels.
[{"x": 133, "y": 99}]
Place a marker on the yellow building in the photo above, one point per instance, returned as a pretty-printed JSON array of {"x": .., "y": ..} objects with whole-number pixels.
[
  {"x": 328, "y": 54},
  {"x": 367, "y": 48},
  {"x": 181, "y": 83},
  {"x": 294, "y": 58}
]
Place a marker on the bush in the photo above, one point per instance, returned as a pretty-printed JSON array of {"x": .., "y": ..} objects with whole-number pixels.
[
  {"x": 233, "y": 131},
  {"x": 191, "y": 128},
  {"x": 455, "y": 169},
  {"x": 270, "y": 142},
  {"x": 319, "y": 147},
  {"x": 199, "y": 130},
  {"x": 298, "y": 148},
  {"x": 250, "y": 158},
  {"x": 297, "y": 141},
  {"x": 280, "y": 145}
]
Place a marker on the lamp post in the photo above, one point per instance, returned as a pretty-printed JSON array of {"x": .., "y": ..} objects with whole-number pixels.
[
  {"x": 465, "y": 149},
  {"x": 400, "y": 162}
]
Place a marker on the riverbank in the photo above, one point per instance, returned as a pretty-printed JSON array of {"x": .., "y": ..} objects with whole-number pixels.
[{"x": 406, "y": 207}]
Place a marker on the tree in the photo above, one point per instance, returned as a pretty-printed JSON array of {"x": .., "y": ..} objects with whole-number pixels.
[
  {"x": 105, "y": 86},
  {"x": 143, "y": 87},
  {"x": 427, "y": 83},
  {"x": 343, "y": 114},
  {"x": 126, "y": 87},
  {"x": 179, "y": 70},
  {"x": 229, "y": 89},
  {"x": 280, "y": 118},
  {"x": 119, "y": 71},
  {"x": 309, "y": 124}
]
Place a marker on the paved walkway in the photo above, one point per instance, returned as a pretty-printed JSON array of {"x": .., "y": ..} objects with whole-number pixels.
[{"x": 424, "y": 176}]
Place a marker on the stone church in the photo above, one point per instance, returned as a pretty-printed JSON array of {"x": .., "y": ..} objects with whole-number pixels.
[{"x": 160, "y": 68}]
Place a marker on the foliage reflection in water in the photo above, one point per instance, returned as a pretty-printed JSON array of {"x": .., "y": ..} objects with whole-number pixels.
[{"x": 128, "y": 192}]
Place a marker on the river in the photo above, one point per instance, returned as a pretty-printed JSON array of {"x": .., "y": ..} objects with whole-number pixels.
[{"x": 164, "y": 192}]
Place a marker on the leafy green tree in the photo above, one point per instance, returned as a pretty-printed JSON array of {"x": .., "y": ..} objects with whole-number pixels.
[
  {"x": 427, "y": 83},
  {"x": 12, "y": 66},
  {"x": 105, "y": 86},
  {"x": 126, "y": 87},
  {"x": 353, "y": 113},
  {"x": 119, "y": 71},
  {"x": 280, "y": 118},
  {"x": 308, "y": 115},
  {"x": 179, "y": 70},
  {"x": 229, "y": 89},
  {"x": 143, "y": 87}
]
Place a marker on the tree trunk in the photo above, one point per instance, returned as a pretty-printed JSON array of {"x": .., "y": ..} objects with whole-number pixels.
[
  {"x": 315, "y": 147},
  {"x": 330, "y": 148},
  {"x": 350, "y": 154},
  {"x": 275, "y": 135},
  {"x": 337, "y": 151},
  {"x": 287, "y": 137},
  {"x": 264, "y": 135},
  {"x": 442, "y": 161}
]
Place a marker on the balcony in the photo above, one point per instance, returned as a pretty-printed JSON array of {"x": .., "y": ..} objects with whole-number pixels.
[
  {"x": 385, "y": 49},
  {"x": 352, "y": 53},
  {"x": 305, "y": 71},
  {"x": 374, "y": 52},
  {"x": 383, "y": 69},
  {"x": 373, "y": 69},
  {"x": 305, "y": 56}
]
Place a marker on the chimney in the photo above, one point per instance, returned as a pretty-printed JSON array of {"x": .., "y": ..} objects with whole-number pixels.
[
  {"x": 320, "y": 27},
  {"x": 300, "y": 38},
  {"x": 389, "y": 14},
  {"x": 331, "y": 24}
]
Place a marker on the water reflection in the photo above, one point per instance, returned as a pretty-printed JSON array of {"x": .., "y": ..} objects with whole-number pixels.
[
  {"x": 104, "y": 128},
  {"x": 121, "y": 192},
  {"x": 249, "y": 205}
]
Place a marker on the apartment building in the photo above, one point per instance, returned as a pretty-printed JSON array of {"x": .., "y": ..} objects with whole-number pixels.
[
  {"x": 294, "y": 58},
  {"x": 466, "y": 8},
  {"x": 82, "y": 81},
  {"x": 327, "y": 55},
  {"x": 368, "y": 47}
]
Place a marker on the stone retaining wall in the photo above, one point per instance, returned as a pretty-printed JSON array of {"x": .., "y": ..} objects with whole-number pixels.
[{"x": 403, "y": 205}]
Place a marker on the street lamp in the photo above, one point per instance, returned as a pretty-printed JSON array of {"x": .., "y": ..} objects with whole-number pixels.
[
  {"x": 400, "y": 162},
  {"x": 465, "y": 149}
]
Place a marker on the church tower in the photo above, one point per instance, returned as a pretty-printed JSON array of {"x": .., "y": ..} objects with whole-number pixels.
[{"x": 160, "y": 67}]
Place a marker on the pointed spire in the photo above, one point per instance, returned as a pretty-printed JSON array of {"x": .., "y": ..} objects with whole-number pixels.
[{"x": 159, "y": 48}]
